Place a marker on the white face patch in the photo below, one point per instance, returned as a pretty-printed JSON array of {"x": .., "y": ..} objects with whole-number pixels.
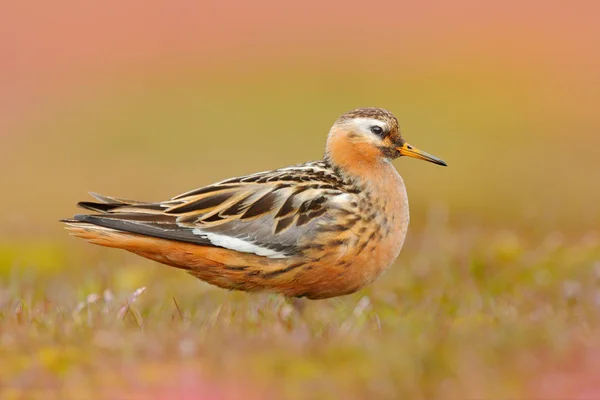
[
  {"x": 364, "y": 125},
  {"x": 237, "y": 244}
]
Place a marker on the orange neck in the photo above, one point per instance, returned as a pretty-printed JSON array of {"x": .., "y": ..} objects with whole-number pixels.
[{"x": 355, "y": 158}]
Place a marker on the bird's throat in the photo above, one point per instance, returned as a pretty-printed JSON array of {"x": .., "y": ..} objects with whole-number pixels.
[{"x": 355, "y": 160}]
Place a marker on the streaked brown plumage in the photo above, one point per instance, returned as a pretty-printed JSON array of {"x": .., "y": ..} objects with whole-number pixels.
[{"x": 316, "y": 230}]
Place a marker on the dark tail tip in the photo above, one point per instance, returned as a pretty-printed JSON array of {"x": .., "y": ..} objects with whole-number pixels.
[{"x": 100, "y": 207}]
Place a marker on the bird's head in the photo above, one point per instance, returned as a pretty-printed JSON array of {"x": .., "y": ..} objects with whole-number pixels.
[{"x": 370, "y": 135}]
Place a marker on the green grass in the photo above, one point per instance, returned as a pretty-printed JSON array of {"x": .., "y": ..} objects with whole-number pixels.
[{"x": 465, "y": 313}]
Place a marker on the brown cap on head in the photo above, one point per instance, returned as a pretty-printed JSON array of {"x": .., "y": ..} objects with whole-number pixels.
[{"x": 372, "y": 112}]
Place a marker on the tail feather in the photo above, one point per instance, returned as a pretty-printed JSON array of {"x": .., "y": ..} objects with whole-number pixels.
[
  {"x": 116, "y": 200},
  {"x": 163, "y": 228},
  {"x": 147, "y": 208},
  {"x": 108, "y": 204},
  {"x": 99, "y": 207},
  {"x": 95, "y": 234},
  {"x": 131, "y": 217}
]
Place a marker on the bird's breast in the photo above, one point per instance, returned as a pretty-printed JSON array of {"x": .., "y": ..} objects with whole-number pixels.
[
  {"x": 358, "y": 245},
  {"x": 384, "y": 227}
]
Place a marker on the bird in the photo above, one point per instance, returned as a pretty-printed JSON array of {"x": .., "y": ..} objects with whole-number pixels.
[{"x": 315, "y": 230}]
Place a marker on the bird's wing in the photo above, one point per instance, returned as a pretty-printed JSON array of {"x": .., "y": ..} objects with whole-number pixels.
[{"x": 266, "y": 214}]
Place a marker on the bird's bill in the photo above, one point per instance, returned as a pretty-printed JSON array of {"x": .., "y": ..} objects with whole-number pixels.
[{"x": 411, "y": 151}]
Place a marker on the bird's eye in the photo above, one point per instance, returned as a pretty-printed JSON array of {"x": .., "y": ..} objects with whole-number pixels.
[{"x": 377, "y": 130}]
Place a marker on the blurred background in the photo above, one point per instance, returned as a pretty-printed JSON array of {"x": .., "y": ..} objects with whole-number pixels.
[{"x": 149, "y": 99}]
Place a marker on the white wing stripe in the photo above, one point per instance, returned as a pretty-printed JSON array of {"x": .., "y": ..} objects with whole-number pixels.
[{"x": 237, "y": 244}]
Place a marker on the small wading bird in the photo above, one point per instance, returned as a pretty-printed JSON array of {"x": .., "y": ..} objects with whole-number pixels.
[{"x": 320, "y": 229}]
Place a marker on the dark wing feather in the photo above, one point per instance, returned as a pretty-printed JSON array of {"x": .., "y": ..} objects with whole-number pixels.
[
  {"x": 255, "y": 211},
  {"x": 132, "y": 224}
]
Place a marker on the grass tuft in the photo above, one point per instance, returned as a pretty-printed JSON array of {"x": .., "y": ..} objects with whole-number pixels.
[{"x": 464, "y": 313}]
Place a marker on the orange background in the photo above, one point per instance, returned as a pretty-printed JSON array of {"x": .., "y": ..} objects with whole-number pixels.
[{"x": 152, "y": 98}]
